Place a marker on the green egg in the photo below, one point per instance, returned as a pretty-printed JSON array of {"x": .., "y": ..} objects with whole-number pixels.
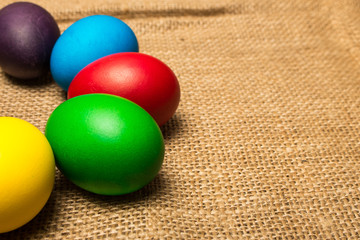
[{"x": 105, "y": 144}]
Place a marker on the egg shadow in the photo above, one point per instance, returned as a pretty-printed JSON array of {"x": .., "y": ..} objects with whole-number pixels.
[
  {"x": 172, "y": 128},
  {"x": 147, "y": 192},
  {"x": 65, "y": 95},
  {"x": 33, "y": 82}
]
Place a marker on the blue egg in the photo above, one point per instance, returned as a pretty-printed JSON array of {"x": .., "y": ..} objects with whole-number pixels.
[{"x": 87, "y": 40}]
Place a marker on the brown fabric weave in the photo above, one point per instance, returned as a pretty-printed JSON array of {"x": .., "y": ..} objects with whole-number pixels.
[{"x": 265, "y": 143}]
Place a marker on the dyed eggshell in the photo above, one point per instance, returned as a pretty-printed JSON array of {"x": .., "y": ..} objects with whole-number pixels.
[
  {"x": 27, "y": 172},
  {"x": 105, "y": 144},
  {"x": 85, "y": 41},
  {"x": 28, "y": 34},
  {"x": 138, "y": 77}
]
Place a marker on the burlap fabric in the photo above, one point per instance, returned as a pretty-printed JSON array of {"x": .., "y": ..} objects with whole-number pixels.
[{"x": 265, "y": 143}]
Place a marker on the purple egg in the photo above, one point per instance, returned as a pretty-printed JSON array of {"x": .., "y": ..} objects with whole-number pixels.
[{"x": 27, "y": 35}]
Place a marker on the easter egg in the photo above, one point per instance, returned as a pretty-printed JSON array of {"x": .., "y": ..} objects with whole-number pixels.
[
  {"x": 85, "y": 41},
  {"x": 105, "y": 144},
  {"x": 28, "y": 34},
  {"x": 27, "y": 172},
  {"x": 141, "y": 78}
]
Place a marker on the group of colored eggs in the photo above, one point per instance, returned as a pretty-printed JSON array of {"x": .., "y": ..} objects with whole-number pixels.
[{"x": 105, "y": 138}]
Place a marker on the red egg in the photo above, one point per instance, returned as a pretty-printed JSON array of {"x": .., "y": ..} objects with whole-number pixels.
[{"x": 141, "y": 78}]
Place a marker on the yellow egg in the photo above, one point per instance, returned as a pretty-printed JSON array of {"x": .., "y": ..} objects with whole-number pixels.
[{"x": 27, "y": 172}]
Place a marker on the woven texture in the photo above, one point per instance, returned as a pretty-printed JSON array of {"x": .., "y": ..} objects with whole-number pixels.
[{"x": 265, "y": 143}]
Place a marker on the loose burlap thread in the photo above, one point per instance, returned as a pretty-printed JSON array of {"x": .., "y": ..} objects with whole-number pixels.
[{"x": 265, "y": 143}]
